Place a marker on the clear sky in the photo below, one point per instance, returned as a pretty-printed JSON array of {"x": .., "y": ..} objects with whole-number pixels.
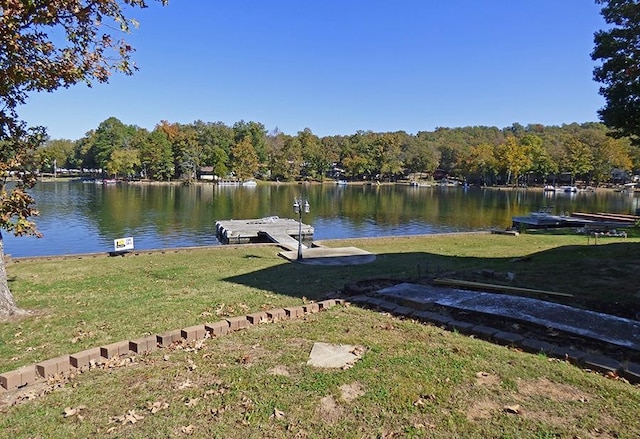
[{"x": 339, "y": 66}]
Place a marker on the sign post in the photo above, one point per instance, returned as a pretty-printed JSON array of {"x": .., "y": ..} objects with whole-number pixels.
[{"x": 122, "y": 245}]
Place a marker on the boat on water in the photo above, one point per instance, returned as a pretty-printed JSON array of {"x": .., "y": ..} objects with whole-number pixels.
[
  {"x": 341, "y": 182},
  {"x": 448, "y": 183},
  {"x": 419, "y": 184},
  {"x": 249, "y": 183},
  {"x": 228, "y": 182},
  {"x": 549, "y": 188},
  {"x": 568, "y": 189}
]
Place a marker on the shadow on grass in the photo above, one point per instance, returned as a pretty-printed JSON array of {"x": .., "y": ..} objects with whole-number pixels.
[{"x": 600, "y": 277}]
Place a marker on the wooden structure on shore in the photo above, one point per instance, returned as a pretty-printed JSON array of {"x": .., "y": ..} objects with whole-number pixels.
[
  {"x": 283, "y": 231},
  {"x": 590, "y": 221}
]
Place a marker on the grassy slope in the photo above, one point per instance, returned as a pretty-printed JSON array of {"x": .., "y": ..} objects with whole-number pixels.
[{"x": 413, "y": 379}]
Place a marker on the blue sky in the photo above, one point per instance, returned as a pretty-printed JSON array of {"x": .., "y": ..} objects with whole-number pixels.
[{"x": 338, "y": 66}]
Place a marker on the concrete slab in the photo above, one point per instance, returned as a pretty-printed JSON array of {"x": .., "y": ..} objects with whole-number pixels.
[
  {"x": 330, "y": 256},
  {"x": 597, "y": 326},
  {"x": 328, "y": 355}
]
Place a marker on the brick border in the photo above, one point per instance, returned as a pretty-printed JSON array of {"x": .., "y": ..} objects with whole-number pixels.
[
  {"x": 64, "y": 364},
  {"x": 67, "y": 363}
]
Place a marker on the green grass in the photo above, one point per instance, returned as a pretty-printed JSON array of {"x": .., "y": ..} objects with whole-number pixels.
[{"x": 413, "y": 380}]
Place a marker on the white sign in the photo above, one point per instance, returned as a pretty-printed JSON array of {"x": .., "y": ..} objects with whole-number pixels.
[{"x": 123, "y": 244}]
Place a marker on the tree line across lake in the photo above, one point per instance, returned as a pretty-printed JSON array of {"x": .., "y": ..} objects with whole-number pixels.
[{"x": 479, "y": 154}]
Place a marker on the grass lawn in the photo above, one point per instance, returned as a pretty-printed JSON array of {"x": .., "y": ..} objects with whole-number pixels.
[{"x": 413, "y": 380}]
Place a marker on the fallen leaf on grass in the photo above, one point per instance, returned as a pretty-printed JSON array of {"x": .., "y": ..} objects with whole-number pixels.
[
  {"x": 191, "y": 402},
  {"x": 422, "y": 400},
  {"x": 277, "y": 414},
  {"x": 155, "y": 407},
  {"x": 185, "y": 384},
  {"x": 191, "y": 365},
  {"x": 131, "y": 417},
  {"x": 188, "y": 429},
  {"x": 70, "y": 411},
  {"x": 419, "y": 426},
  {"x": 515, "y": 409},
  {"x": 218, "y": 411}
]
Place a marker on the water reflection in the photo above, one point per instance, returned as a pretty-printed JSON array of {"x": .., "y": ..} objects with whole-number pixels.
[{"x": 79, "y": 218}]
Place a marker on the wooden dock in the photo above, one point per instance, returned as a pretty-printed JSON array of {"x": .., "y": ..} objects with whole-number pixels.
[
  {"x": 592, "y": 221},
  {"x": 283, "y": 231}
]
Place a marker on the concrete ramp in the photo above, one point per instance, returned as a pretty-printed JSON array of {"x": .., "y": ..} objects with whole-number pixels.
[
  {"x": 282, "y": 239},
  {"x": 597, "y": 326},
  {"x": 330, "y": 256}
]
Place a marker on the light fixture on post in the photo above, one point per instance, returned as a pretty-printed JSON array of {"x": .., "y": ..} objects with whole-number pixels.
[{"x": 300, "y": 206}]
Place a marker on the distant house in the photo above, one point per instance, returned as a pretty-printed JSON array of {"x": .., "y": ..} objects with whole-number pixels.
[
  {"x": 620, "y": 175},
  {"x": 206, "y": 173}
]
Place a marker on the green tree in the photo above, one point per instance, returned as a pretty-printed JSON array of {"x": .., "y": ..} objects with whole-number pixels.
[
  {"x": 358, "y": 155},
  {"x": 216, "y": 140},
  {"x": 187, "y": 152},
  {"x": 618, "y": 49},
  {"x": 123, "y": 162},
  {"x": 257, "y": 134},
  {"x": 219, "y": 160},
  {"x": 110, "y": 136},
  {"x": 55, "y": 152},
  {"x": 420, "y": 154},
  {"x": 275, "y": 164},
  {"x": 156, "y": 156},
  {"x": 578, "y": 157},
  {"x": 607, "y": 153},
  {"x": 388, "y": 155},
  {"x": 290, "y": 158},
  {"x": 316, "y": 158},
  {"x": 46, "y": 45}
]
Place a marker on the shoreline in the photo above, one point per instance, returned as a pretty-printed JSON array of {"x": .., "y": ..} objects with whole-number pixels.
[
  {"x": 110, "y": 254},
  {"x": 615, "y": 188}
]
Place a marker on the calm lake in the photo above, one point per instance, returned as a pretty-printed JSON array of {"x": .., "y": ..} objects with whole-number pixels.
[{"x": 77, "y": 217}]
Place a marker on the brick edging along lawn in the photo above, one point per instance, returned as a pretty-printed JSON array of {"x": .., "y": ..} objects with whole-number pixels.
[{"x": 64, "y": 364}]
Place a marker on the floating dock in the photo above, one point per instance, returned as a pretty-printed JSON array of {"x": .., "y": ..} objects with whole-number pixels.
[
  {"x": 592, "y": 221},
  {"x": 283, "y": 231}
]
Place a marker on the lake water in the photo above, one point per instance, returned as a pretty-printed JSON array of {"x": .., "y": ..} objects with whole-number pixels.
[{"x": 85, "y": 218}]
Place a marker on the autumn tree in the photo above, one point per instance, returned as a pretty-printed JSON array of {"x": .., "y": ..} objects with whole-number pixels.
[
  {"x": 481, "y": 160},
  {"x": 46, "y": 45},
  {"x": 244, "y": 159},
  {"x": 514, "y": 158}
]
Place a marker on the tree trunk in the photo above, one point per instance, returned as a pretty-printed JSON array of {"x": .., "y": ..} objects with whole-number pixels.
[{"x": 8, "y": 306}]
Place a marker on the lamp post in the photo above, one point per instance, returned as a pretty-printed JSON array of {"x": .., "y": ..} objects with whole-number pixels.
[{"x": 299, "y": 206}]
